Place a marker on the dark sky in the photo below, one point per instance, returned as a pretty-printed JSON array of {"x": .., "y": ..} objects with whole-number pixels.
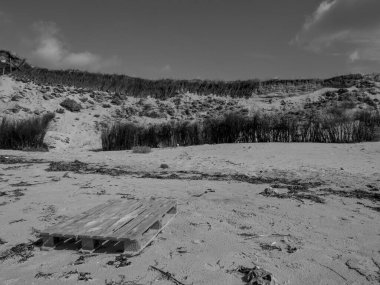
[{"x": 206, "y": 39}]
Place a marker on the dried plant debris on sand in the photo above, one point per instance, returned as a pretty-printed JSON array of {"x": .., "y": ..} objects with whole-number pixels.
[
  {"x": 13, "y": 193},
  {"x": 81, "y": 276},
  {"x": 358, "y": 194},
  {"x": 256, "y": 276},
  {"x": 22, "y": 252},
  {"x": 87, "y": 168},
  {"x": 43, "y": 275},
  {"x": 292, "y": 194},
  {"x": 82, "y": 259},
  {"x": 120, "y": 261},
  {"x": 302, "y": 193},
  {"x": 84, "y": 168},
  {"x": 10, "y": 159}
]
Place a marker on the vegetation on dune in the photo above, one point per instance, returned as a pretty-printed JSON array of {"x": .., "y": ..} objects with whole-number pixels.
[
  {"x": 165, "y": 88},
  {"x": 71, "y": 105},
  {"x": 234, "y": 128},
  {"x": 26, "y": 134}
]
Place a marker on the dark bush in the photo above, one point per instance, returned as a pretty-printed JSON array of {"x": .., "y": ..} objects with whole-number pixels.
[
  {"x": 71, "y": 105},
  {"x": 24, "y": 134}
]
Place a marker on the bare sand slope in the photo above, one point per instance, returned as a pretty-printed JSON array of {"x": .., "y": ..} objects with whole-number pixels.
[{"x": 223, "y": 221}]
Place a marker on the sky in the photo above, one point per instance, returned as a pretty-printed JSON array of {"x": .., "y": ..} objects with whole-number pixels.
[{"x": 196, "y": 39}]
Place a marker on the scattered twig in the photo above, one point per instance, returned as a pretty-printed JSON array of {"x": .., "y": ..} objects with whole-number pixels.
[
  {"x": 82, "y": 259},
  {"x": 17, "y": 221},
  {"x": 332, "y": 271},
  {"x": 167, "y": 275},
  {"x": 203, "y": 193},
  {"x": 251, "y": 236},
  {"x": 43, "y": 275}
]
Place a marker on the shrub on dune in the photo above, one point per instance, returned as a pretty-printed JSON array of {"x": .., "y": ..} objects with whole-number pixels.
[{"x": 25, "y": 134}]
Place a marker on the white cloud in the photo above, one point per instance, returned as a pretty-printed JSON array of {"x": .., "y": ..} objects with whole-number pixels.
[
  {"x": 350, "y": 27},
  {"x": 354, "y": 56},
  {"x": 50, "y": 50},
  {"x": 323, "y": 8}
]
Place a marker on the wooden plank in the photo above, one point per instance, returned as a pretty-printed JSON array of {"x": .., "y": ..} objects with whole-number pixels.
[
  {"x": 148, "y": 206},
  {"x": 122, "y": 214},
  {"x": 110, "y": 212},
  {"x": 134, "y": 247},
  {"x": 76, "y": 218},
  {"x": 112, "y": 234},
  {"x": 61, "y": 226},
  {"x": 147, "y": 223},
  {"x": 152, "y": 214}
]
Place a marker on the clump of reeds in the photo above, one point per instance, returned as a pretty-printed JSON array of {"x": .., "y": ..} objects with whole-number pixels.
[
  {"x": 26, "y": 134},
  {"x": 235, "y": 128}
]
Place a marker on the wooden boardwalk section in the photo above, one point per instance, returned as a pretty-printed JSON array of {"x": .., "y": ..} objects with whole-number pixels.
[{"x": 134, "y": 223}]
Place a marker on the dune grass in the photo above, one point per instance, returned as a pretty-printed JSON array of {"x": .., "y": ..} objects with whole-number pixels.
[
  {"x": 166, "y": 88},
  {"x": 26, "y": 134},
  {"x": 235, "y": 128}
]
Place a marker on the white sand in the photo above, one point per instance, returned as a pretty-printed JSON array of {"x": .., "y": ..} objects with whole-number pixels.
[{"x": 326, "y": 237}]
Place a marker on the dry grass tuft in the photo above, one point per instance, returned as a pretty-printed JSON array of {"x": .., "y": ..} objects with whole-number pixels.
[
  {"x": 27, "y": 134},
  {"x": 325, "y": 127}
]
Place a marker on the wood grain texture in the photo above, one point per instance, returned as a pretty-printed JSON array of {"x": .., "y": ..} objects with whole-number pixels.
[{"x": 135, "y": 223}]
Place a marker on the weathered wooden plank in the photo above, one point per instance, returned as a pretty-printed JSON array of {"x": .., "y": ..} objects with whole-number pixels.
[
  {"x": 52, "y": 229},
  {"x": 148, "y": 206},
  {"x": 137, "y": 217},
  {"x": 135, "y": 246},
  {"x": 124, "y": 232},
  {"x": 149, "y": 222},
  {"x": 61, "y": 226},
  {"x": 134, "y": 223},
  {"x": 111, "y": 212},
  {"x": 121, "y": 215}
]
